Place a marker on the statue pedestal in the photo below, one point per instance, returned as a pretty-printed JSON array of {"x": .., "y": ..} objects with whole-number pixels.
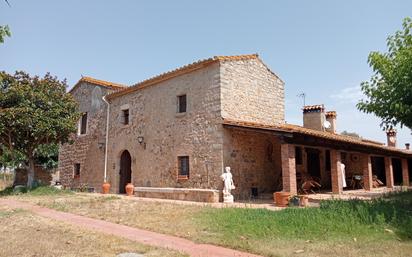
[{"x": 228, "y": 198}]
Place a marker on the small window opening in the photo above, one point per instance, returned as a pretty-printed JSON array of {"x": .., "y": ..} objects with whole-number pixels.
[
  {"x": 76, "y": 170},
  {"x": 183, "y": 163},
  {"x": 83, "y": 124},
  {"x": 125, "y": 116},
  {"x": 182, "y": 103}
]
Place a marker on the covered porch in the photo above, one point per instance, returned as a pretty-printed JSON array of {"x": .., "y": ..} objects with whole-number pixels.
[{"x": 318, "y": 155}]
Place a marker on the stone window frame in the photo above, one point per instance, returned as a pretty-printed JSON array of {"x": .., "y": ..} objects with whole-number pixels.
[
  {"x": 80, "y": 122},
  {"x": 183, "y": 177},
  {"x": 76, "y": 170},
  {"x": 124, "y": 108}
]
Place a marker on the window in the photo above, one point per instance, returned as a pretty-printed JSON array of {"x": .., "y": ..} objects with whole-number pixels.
[
  {"x": 125, "y": 116},
  {"x": 76, "y": 172},
  {"x": 83, "y": 124},
  {"x": 181, "y": 104},
  {"x": 298, "y": 155},
  {"x": 183, "y": 163}
]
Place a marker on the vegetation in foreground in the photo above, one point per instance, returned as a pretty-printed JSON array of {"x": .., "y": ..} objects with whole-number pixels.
[
  {"x": 387, "y": 219},
  {"x": 381, "y": 227},
  {"x": 18, "y": 228},
  {"x": 35, "y": 191}
]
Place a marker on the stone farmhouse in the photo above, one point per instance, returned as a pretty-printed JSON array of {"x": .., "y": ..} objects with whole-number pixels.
[{"x": 173, "y": 134}]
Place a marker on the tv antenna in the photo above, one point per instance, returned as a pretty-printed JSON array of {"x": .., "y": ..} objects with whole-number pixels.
[{"x": 303, "y": 96}]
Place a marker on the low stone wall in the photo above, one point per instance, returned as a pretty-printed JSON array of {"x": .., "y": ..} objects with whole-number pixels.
[{"x": 185, "y": 194}]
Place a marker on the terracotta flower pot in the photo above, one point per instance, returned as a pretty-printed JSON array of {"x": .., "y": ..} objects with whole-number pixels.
[
  {"x": 281, "y": 198},
  {"x": 129, "y": 189},
  {"x": 304, "y": 200},
  {"x": 105, "y": 188}
]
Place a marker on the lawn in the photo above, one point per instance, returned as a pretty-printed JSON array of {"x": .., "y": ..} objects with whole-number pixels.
[
  {"x": 381, "y": 227},
  {"x": 26, "y": 235}
]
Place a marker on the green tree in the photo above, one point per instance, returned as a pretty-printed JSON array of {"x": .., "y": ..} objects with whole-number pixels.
[
  {"x": 4, "y": 32},
  {"x": 351, "y": 134},
  {"x": 34, "y": 112},
  {"x": 389, "y": 91}
]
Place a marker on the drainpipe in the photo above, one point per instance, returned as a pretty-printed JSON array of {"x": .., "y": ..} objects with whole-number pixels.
[{"x": 107, "y": 138}]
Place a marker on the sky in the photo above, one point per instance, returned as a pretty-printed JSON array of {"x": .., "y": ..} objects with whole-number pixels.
[{"x": 317, "y": 47}]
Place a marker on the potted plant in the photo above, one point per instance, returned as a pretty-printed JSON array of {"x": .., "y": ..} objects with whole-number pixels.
[
  {"x": 294, "y": 201},
  {"x": 304, "y": 200},
  {"x": 281, "y": 198},
  {"x": 105, "y": 187},
  {"x": 129, "y": 189}
]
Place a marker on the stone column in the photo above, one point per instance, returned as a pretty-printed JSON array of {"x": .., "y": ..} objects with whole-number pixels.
[
  {"x": 389, "y": 172},
  {"x": 367, "y": 172},
  {"x": 288, "y": 168},
  {"x": 336, "y": 172},
  {"x": 405, "y": 172}
]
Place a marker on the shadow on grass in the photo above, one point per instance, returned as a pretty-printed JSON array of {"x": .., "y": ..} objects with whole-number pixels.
[
  {"x": 385, "y": 218},
  {"x": 37, "y": 191}
]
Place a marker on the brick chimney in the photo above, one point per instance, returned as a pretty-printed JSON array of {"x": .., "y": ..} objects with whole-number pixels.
[
  {"x": 331, "y": 117},
  {"x": 391, "y": 137},
  {"x": 407, "y": 145},
  {"x": 314, "y": 117}
]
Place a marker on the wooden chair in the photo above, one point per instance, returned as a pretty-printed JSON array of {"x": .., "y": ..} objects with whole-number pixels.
[{"x": 309, "y": 184}]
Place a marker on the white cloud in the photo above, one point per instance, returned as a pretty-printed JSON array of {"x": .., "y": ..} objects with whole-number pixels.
[{"x": 348, "y": 95}]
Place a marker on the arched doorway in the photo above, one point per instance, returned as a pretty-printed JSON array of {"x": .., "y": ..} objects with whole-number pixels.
[{"x": 125, "y": 171}]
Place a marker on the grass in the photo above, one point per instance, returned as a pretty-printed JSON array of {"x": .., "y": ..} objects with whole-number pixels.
[
  {"x": 382, "y": 227},
  {"x": 335, "y": 219},
  {"x": 24, "y": 234},
  {"x": 37, "y": 191}
]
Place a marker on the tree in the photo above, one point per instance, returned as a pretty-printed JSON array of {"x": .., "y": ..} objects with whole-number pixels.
[
  {"x": 34, "y": 112},
  {"x": 351, "y": 134},
  {"x": 4, "y": 32},
  {"x": 389, "y": 91}
]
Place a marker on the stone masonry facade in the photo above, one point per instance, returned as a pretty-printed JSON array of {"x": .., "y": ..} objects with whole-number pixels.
[
  {"x": 233, "y": 116},
  {"x": 86, "y": 150},
  {"x": 242, "y": 88}
]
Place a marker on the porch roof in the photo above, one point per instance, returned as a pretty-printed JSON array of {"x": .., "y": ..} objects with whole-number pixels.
[{"x": 305, "y": 136}]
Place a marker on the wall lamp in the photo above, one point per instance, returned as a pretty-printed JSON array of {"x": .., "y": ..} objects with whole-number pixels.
[{"x": 140, "y": 139}]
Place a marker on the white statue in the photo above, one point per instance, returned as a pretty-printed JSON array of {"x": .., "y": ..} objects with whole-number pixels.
[
  {"x": 342, "y": 169},
  {"x": 227, "y": 186}
]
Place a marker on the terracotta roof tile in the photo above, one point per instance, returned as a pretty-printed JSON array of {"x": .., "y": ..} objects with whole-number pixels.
[
  {"x": 185, "y": 69},
  {"x": 320, "y": 134},
  {"x": 99, "y": 82},
  {"x": 331, "y": 114},
  {"x": 313, "y": 108}
]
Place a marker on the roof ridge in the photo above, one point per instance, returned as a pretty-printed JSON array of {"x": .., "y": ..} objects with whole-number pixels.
[
  {"x": 103, "y": 83},
  {"x": 184, "y": 69}
]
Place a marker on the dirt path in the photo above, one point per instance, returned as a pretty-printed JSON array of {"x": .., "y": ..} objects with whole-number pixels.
[{"x": 135, "y": 234}]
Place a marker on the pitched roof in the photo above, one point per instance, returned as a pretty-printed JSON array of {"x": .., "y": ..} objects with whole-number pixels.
[
  {"x": 103, "y": 83},
  {"x": 186, "y": 69},
  {"x": 290, "y": 128}
]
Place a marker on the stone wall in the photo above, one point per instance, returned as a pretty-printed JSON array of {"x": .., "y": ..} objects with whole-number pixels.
[
  {"x": 255, "y": 162},
  {"x": 250, "y": 92},
  {"x": 41, "y": 175},
  {"x": 183, "y": 194},
  {"x": 88, "y": 149},
  {"x": 168, "y": 134}
]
